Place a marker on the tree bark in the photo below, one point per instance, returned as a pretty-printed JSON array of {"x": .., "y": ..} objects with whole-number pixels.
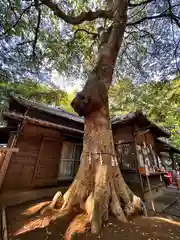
[{"x": 99, "y": 188}]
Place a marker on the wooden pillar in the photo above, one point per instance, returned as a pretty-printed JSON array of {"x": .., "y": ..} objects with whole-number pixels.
[
  {"x": 138, "y": 166},
  {"x": 2, "y": 156},
  {"x": 6, "y": 160},
  {"x": 137, "y": 162},
  {"x": 4, "y": 224},
  {"x": 173, "y": 161},
  {"x": 38, "y": 161},
  {"x": 149, "y": 185}
]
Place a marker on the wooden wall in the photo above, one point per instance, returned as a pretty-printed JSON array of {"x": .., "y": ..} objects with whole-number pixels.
[
  {"x": 36, "y": 163},
  {"x": 123, "y": 133},
  {"x": 124, "y": 142},
  {"x": 39, "y": 114},
  {"x": 146, "y": 137},
  {"x": 55, "y": 119}
]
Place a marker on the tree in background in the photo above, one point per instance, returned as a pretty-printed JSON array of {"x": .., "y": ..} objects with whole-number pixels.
[
  {"x": 159, "y": 100},
  {"x": 122, "y": 97},
  {"x": 32, "y": 90},
  {"x": 114, "y": 37},
  {"x": 67, "y": 105},
  {"x": 39, "y": 91}
]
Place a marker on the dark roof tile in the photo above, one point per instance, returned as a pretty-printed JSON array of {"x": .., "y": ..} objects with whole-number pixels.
[
  {"x": 48, "y": 109},
  {"x": 20, "y": 117}
]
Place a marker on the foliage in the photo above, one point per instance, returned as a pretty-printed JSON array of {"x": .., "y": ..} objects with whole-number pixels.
[
  {"x": 31, "y": 90},
  {"x": 67, "y": 105},
  {"x": 159, "y": 100},
  {"x": 34, "y": 40}
]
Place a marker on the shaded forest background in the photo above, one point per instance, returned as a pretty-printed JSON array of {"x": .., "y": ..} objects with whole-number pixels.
[{"x": 160, "y": 100}]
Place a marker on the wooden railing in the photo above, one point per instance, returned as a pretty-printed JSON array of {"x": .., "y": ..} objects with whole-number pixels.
[
  {"x": 5, "y": 156},
  {"x": 3, "y": 151}
]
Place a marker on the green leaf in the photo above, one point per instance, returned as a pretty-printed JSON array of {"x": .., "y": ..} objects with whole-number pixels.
[{"x": 18, "y": 4}]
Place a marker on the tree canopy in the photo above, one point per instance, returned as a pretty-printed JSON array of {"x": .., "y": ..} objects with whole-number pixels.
[
  {"x": 37, "y": 36},
  {"x": 32, "y": 90}
]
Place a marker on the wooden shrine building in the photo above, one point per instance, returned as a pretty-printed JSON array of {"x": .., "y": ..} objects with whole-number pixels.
[
  {"x": 50, "y": 144},
  {"x": 139, "y": 156},
  {"x": 45, "y": 137}
]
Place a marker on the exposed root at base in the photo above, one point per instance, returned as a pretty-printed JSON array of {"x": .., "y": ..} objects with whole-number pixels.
[
  {"x": 36, "y": 208},
  {"x": 53, "y": 205},
  {"x": 116, "y": 206},
  {"x": 136, "y": 207},
  {"x": 80, "y": 224},
  {"x": 90, "y": 217},
  {"x": 82, "y": 220},
  {"x": 91, "y": 204}
]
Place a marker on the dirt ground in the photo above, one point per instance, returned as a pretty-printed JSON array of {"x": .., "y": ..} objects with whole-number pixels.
[{"x": 24, "y": 226}]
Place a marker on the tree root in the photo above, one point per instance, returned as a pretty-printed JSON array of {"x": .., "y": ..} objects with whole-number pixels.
[
  {"x": 96, "y": 209},
  {"x": 91, "y": 204},
  {"x": 101, "y": 198},
  {"x": 36, "y": 208},
  {"x": 56, "y": 203},
  {"x": 135, "y": 206},
  {"x": 80, "y": 224},
  {"x": 116, "y": 206}
]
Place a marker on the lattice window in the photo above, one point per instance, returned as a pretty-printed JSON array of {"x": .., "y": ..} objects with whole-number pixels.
[
  {"x": 70, "y": 159},
  {"x": 126, "y": 155}
]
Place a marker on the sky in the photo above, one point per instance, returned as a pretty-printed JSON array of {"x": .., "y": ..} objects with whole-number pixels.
[{"x": 64, "y": 84}]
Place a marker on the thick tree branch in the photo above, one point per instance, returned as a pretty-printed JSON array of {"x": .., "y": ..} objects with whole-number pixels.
[
  {"x": 75, "y": 20},
  {"x": 37, "y": 28},
  {"x": 95, "y": 92}
]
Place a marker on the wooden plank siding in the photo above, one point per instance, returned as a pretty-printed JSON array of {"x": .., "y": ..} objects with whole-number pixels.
[
  {"x": 47, "y": 165},
  {"x": 31, "y": 167},
  {"x": 125, "y": 147},
  {"x": 123, "y": 133},
  {"x": 126, "y": 139}
]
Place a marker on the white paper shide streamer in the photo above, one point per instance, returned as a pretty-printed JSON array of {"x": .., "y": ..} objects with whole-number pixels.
[{"x": 89, "y": 158}]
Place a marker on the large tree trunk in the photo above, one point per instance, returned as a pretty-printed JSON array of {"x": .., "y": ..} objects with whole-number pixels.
[{"x": 99, "y": 188}]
